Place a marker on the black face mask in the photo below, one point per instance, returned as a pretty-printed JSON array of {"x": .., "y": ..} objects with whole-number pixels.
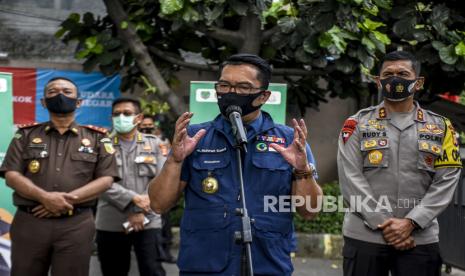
[
  {"x": 397, "y": 89},
  {"x": 147, "y": 130},
  {"x": 242, "y": 101},
  {"x": 60, "y": 104}
]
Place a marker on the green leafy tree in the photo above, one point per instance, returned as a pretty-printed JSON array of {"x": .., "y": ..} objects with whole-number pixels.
[{"x": 319, "y": 47}]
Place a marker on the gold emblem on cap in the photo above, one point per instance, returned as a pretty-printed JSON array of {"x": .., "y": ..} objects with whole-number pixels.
[
  {"x": 37, "y": 140},
  {"x": 34, "y": 166},
  {"x": 85, "y": 142},
  {"x": 375, "y": 157},
  {"x": 210, "y": 185},
  {"x": 399, "y": 88}
]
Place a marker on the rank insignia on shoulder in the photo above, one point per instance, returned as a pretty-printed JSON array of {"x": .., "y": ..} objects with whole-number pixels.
[
  {"x": 382, "y": 113},
  {"x": 348, "y": 129},
  {"x": 420, "y": 116},
  {"x": 27, "y": 125},
  {"x": 96, "y": 128}
]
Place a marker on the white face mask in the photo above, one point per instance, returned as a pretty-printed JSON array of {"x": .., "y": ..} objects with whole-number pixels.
[{"x": 124, "y": 124}]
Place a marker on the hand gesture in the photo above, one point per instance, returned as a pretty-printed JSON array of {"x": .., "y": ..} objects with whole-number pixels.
[
  {"x": 296, "y": 154},
  {"x": 58, "y": 202},
  {"x": 396, "y": 230},
  {"x": 136, "y": 221},
  {"x": 142, "y": 201},
  {"x": 407, "y": 244},
  {"x": 183, "y": 144}
]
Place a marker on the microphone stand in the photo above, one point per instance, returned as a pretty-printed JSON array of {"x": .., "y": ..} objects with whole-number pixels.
[{"x": 244, "y": 236}]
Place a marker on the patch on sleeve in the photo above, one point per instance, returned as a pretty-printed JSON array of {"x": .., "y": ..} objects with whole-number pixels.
[
  {"x": 348, "y": 129},
  {"x": 450, "y": 157}
]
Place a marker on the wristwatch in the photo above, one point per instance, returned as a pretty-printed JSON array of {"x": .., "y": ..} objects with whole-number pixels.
[
  {"x": 299, "y": 174},
  {"x": 415, "y": 224},
  {"x": 136, "y": 209}
]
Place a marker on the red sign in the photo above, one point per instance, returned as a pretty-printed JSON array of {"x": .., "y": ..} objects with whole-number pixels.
[{"x": 24, "y": 94}]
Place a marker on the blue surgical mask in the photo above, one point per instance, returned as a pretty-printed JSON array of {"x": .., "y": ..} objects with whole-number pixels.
[{"x": 124, "y": 124}]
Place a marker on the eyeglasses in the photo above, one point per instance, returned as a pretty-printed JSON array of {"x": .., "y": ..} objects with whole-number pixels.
[
  {"x": 125, "y": 113},
  {"x": 240, "y": 88}
]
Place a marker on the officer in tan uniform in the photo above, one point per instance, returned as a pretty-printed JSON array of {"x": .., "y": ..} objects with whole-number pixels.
[
  {"x": 398, "y": 168},
  {"x": 150, "y": 126},
  {"x": 139, "y": 159},
  {"x": 56, "y": 169}
]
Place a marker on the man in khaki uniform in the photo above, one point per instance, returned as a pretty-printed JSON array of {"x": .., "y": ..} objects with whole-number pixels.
[
  {"x": 398, "y": 168},
  {"x": 139, "y": 159},
  {"x": 56, "y": 170},
  {"x": 150, "y": 126}
]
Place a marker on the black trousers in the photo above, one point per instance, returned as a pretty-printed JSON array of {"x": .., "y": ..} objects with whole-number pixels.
[
  {"x": 114, "y": 252},
  {"x": 369, "y": 259}
]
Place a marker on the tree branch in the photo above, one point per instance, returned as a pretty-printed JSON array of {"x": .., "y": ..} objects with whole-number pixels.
[
  {"x": 268, "y": 33},
  {"x": 232, "y": 37},
  {"x": 214, "y": 68},
  {"x": 172, "y": 59},
  {"x": 142, "y": 56},
  {"x": 295, "y": 72}
]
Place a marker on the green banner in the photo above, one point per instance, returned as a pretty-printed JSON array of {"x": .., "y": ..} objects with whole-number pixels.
[
  {"x": 6, "y": 134},
  {"x": 203, "y": 102}
]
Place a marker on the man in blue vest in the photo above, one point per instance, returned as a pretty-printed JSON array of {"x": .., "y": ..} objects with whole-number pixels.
[{"x": 203, "y": 165}]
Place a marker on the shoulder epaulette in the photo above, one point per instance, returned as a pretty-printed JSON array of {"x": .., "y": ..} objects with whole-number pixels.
[
  {"x": 96, "y": 128},
  {"x": 28, "y": 125},
  {"x": 434, "y": 114},
  {"x": 365, "y": 110}
]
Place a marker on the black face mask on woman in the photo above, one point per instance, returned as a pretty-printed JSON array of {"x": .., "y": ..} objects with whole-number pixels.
[
  {"x": 242, "y": 101},
  {"x": 397, "y": 88},
  {"x": 60, "y": 104}
]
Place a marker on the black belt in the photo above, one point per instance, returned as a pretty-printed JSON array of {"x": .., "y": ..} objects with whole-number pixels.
[{"x": 70, "y": 213}]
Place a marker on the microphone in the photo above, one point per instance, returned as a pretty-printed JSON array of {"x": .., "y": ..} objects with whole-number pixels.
[{"x": 234, "y": 113}]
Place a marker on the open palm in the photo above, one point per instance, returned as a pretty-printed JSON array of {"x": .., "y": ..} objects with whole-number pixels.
[
  {"x": 295, "y": 154},
  {"x": 183, "y": 144}
]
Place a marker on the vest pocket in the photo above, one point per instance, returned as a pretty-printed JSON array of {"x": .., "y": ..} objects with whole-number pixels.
[
  {"x": 428, "y": 153},
  {"x": 205, "y": 240},
  {"x": 271, "y": 240}
]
